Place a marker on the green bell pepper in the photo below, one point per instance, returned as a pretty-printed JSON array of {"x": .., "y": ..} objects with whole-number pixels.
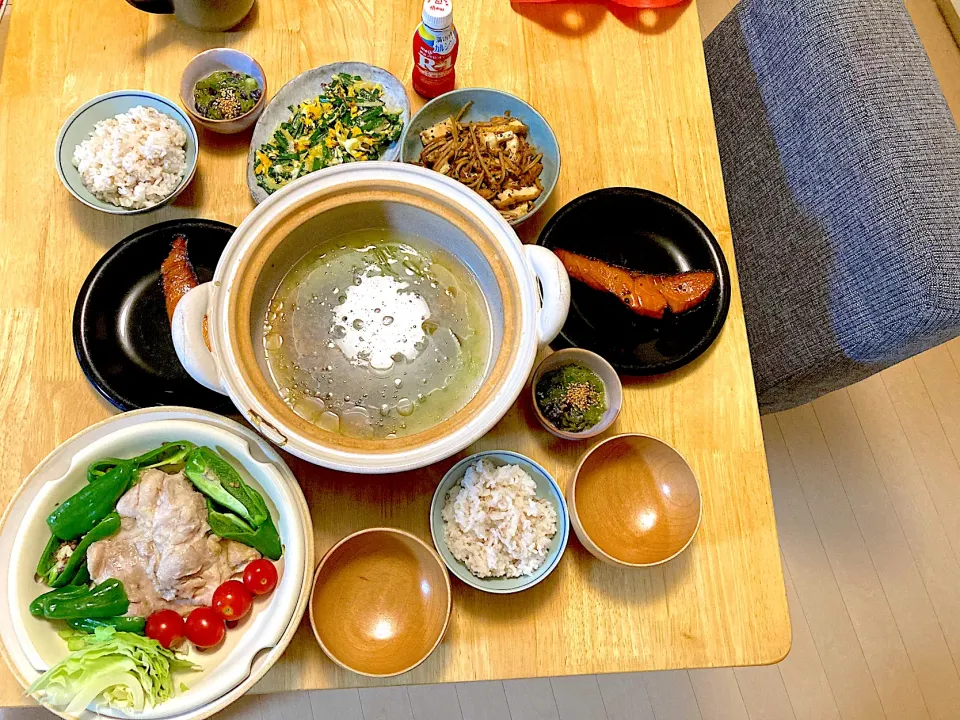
[
  {"x": 99, "y": 468},
  {"x": 56, "y": 572},
  {"x": 216, "y": 478},
  {"x": 235, "y": 510},
  {"x": 71, "y": 592},
  {"x": 264, "y": 539},
  {"x": 171, "y": 453},
  {"x": 75, "y": 602},
  {"x": 78, "y": 514},
  {"x": 135, "y": 625},
  {"x": 82, "y": 577},
  {"x": 110, "y": 525},
  {"x": 47, "y": 566}
]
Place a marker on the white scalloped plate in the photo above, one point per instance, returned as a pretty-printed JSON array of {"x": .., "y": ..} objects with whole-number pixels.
[{"x": 30, "y": 645}]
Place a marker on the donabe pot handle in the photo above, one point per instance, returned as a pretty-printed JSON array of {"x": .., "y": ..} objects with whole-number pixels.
[
  {"x": 554, "y": 291},
  {"x": 158, "y": 7},
  {"x": 187, "y": 330}
]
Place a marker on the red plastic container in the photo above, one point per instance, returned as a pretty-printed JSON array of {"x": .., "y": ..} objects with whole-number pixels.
[{"x": 435, "y": 45}]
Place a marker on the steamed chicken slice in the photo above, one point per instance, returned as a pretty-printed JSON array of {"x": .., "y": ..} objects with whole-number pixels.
[
  {"x": 516, "y": 212},
  {"x": 435, "y": 132},
  {"x": 165, "y": 554}
]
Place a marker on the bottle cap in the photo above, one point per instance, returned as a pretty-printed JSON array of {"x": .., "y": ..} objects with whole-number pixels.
[{"x": 437, "y": 14}]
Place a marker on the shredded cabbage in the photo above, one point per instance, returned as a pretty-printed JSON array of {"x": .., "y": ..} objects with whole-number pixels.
[{"x": 125, "y": 670}]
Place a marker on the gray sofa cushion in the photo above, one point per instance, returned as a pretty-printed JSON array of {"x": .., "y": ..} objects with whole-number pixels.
[{"x": 841, "y": 162}]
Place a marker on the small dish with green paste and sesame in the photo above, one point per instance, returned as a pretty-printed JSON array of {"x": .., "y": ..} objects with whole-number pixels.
[
  {"x": 223, "y": 90},
  {"x": 576, "y": 394},
  {"x": 226, "y": 95}
]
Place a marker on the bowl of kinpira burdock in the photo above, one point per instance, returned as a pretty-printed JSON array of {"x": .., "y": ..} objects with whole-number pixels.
[
  {"x": 576, "y": 394},
  {"x": 493, "y": 142}
]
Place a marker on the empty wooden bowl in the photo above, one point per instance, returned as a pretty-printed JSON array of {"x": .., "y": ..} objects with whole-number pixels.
[
  {"x": 380, "y": 602},
  {"x": 634, "y": 501}
]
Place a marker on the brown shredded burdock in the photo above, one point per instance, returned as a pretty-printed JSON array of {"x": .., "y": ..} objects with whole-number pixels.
[{"x": 494, "y": 158}]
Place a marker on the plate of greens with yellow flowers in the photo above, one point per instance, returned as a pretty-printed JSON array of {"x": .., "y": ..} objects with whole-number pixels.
[
  {"x": 335, "y": 114},
  {"x": 157, "y": 565}
]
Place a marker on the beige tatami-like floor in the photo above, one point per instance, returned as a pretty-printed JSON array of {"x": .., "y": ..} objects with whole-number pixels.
[{"x": 866, "y": 486}]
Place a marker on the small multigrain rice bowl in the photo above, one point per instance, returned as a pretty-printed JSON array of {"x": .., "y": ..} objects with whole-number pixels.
[
  {"x": 127, "y": 152},
  {"x": 499, "y": 521}
]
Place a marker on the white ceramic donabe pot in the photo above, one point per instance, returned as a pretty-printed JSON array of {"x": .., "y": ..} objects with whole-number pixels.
[{"x": 322, "y": 206}]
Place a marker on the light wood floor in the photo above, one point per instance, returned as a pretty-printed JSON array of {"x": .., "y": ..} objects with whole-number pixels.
[{"x": 866, "y": 486}]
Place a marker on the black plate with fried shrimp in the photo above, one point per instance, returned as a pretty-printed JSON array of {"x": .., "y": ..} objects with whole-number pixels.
[{"x": 494, "y": 158}]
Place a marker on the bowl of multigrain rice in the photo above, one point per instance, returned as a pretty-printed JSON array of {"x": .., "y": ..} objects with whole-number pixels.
[
  {"x": 499, "y": 521},
  {"x": 126, "y": 152}
]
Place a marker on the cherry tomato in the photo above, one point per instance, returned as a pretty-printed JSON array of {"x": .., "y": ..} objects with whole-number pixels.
[
  {"x": 232, "y": 600},
  {"x": 166, "y": 627},
  {"x": 204, "y": 628},
  {"x": 260, "y": 577}
]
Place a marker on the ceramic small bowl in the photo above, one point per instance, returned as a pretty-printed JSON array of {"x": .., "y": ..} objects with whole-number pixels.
[
  {"x": 488, "y": 103},
  {"x": 381, "y": 602},
  {"x": 634, "y": 501},
  {"x": 546, "y": 488},
  {"x": 79, "y": 125},
  {"x": 210, "y": 62},
  {"x": 613, "y": 389}
]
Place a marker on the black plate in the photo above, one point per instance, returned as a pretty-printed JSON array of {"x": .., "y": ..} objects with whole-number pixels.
[
  {"x": 120, "y": 328},
  {"x": 644, "y": 231}
]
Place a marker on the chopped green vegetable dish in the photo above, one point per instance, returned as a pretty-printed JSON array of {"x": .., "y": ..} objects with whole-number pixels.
[
  {"x": 123, "y": 669},
  {"x": 225, "y": 95},
  {"x": 571, "y": 397},
  {"x": 348, "y": 122}
]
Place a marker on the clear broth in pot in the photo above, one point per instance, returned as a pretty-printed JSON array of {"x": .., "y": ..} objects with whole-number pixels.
[{"x": 377, "y": 334}]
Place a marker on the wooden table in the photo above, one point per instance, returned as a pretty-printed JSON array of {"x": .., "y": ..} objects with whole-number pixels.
[{"x": 627, "y": 95}]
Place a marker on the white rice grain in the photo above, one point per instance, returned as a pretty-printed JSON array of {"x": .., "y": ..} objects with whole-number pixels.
[
  {"x": 495, "y": 524},
  {"x": 133, "y": 160}
]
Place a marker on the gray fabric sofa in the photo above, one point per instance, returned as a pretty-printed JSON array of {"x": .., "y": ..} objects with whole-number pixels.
[{"x": 841, "y": 163}]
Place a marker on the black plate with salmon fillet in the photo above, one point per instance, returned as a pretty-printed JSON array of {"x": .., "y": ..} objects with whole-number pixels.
[
  {"x": 121, "y": 332},
  {"x": 638, "y": 231}
]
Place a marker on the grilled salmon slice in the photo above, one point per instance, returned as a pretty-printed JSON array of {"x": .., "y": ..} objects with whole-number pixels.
[
  {"x": 177, "y": 275},
  {"x": 646, "y": 294},
  {"x": 685, "y": 291},
  {"x": 179, "y": 278}
]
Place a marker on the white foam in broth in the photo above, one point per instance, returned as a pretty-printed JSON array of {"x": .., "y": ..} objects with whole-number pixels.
[{"x": 377, "y": 334}]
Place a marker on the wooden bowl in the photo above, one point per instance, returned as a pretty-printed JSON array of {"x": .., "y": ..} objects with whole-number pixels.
[
  {"x": 634, "y": 501},
  {"x": 380, "y": 603}
]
